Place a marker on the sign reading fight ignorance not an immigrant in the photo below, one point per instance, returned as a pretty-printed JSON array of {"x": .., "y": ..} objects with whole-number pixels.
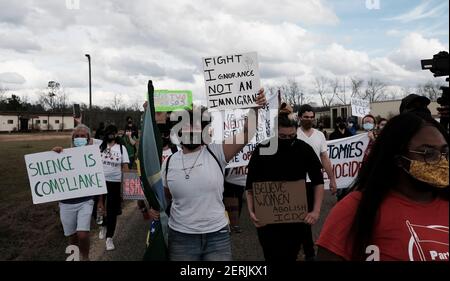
[
  {"x": 280, "y": 202},
  {"x": 231, "y": 81},
  {"x": 75, "y": 172}
]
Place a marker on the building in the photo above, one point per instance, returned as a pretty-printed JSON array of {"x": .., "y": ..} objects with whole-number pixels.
[
  {"x": 385, "y": 109},
  {"x": 14, "y": 121}
]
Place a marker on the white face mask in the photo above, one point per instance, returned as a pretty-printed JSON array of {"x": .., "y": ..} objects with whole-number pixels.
[
  {"x": 368, "y": 126},
  {"x": 77, "y": 142}
]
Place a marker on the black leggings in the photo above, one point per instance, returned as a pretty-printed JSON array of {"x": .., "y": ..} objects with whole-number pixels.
[
  {"x": 113, "y": 207},
  {"x": 281, "y": 242}
]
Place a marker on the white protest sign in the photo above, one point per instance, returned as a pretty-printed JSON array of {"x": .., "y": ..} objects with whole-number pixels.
[
  {"x": 360, "y": 107},
  {"x": 75, "y": 172},
  {"x": 231, "y": 81},
  {"x": 346, "y": 157},
  {"x": 231, "y": 122}
]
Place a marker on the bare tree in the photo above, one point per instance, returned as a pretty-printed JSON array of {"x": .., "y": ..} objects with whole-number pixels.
[
  {"x": 3, "y": 92},
  {"x": 338, "y": 90},
  {"x": 356, "y": 84},
  {"x": 136, "y": 105},
  {"x": 430, "y": 89},
  {"x": 323, "y": 89},
  {"x": 375, "y": 90},
  {"x": 116, "y": 103},
  {"x": 47, "y": 100}
]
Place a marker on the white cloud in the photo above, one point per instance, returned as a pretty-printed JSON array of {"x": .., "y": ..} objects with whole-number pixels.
[
  {"x": 413, "y": 48},
  {"x": 423, "y": 11},
  {"x": 131, "y": 42},
  {"x": 11, "y": 78}
]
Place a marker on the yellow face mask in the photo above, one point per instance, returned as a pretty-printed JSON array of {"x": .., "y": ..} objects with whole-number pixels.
[{"x": 433, "y": 174}]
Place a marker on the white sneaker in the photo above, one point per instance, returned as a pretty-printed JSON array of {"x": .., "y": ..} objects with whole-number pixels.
[
  {"x": 109, "y": 244},
  {"x": 102, "y": 233}
]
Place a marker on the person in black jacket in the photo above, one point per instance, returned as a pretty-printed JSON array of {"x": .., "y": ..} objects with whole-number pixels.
[
  {"x": 293, "y": 159},
  {"x": 340, "y": 130}
]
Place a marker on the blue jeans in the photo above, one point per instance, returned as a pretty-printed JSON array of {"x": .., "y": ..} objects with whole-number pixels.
[{"x": 214, "y": 246}]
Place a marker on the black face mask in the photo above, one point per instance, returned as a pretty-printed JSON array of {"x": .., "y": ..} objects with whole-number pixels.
[
  {"x": 285, "y": 144},
  {"x": 166, "y": 141},
  {"x": 191, "y": 146},
  {"x": 111, "y": 138},
  {"x": 342, "y": 126}
]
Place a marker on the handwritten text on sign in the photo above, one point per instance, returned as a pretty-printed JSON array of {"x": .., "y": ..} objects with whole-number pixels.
[
  {"x": 73, "y": 173},
  {"x": 231, "y": 81},
  {"x": 231, "y": 122},
  {"x": 171, "y": 100},
  {"x": 346, "y": 157},
  {"x": 132, "y": 187},
  {"x": 280, "y": 202},
  {"x": 360, "y": 107}
]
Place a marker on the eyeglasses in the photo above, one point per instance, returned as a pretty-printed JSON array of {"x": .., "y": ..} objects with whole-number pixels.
[
  {"x": 432, "y": 156},
  {"x": 80, "y": 136}
]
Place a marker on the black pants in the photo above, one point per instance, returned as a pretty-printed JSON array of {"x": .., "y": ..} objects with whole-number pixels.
[
  {"x": 281, "y": 242},
  {"x": 234, "y": 191},
  {"x": 307, "y": 239},
  {"x": 113, "y": 207}
]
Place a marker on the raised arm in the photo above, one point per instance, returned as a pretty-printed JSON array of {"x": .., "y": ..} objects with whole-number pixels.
[{"x": 234, "y": 144}]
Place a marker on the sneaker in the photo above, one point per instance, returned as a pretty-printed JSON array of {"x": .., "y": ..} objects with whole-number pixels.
[
  {"x": 102, "y": 233},
  {"x": 109, "y": 244}
]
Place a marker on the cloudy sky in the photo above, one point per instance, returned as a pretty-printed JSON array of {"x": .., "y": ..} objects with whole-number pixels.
[{"x": 133, "y": 41}]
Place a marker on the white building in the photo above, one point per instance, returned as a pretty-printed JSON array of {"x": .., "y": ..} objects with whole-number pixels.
[
  {"x": 385, "y": 109},
  {"x": 13, "y": 121}
]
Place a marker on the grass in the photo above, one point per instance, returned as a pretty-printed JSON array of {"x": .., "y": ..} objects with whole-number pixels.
[{"x": 27, "y": 231}]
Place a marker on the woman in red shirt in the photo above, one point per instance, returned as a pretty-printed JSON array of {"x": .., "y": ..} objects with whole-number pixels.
[{"x": 399, "y": 208}]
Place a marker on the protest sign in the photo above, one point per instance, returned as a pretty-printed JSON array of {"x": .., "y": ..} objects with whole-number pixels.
[
  {"x": 280, "y": 201},
  {"x": 231, "y": 122},
  {"x": 132, "y": 186},
  {"x": 172, "y": 100},
  {"x": 360, "y": 107},
  {"x": 231, "y": 81},
  {"x": 75, "y": 172},
  {"x": 346, "y": 157}
]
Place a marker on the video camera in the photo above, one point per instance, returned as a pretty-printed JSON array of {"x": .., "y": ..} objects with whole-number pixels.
[{"x": 439, "y": 66}]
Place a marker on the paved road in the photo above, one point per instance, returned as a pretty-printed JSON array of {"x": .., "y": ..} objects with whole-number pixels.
[{"x": 131, "y": 234}]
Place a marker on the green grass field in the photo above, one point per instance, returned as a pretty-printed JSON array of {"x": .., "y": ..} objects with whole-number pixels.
[{"x": 27, "y": 231}]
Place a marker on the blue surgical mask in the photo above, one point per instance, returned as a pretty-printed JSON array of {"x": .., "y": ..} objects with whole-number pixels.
[
  {"x": 368, "y": 126},
  {"x": 77, "y": 142}
]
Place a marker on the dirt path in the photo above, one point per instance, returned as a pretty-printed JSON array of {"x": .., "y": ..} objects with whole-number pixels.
[{"x": 131, "y": 233}]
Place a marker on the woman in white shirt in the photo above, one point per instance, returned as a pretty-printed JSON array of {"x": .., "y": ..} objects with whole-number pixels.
[
  {"x": 193, "y": 178},
  {"x": 115, "y": 160}
]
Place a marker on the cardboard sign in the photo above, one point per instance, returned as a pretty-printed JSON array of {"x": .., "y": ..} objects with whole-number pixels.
[
  {"x": 360, "y": 107},
  {"x": 231, "y": 81},
  {"x": 346, "y": 157},
  {"x": 75, "y": 172},
  {"x": 132, "y": 186},
  {"x": 231, "y": 122},
  {"x": 280, "y": 202},
  {"x": 171, "y": 100}
]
